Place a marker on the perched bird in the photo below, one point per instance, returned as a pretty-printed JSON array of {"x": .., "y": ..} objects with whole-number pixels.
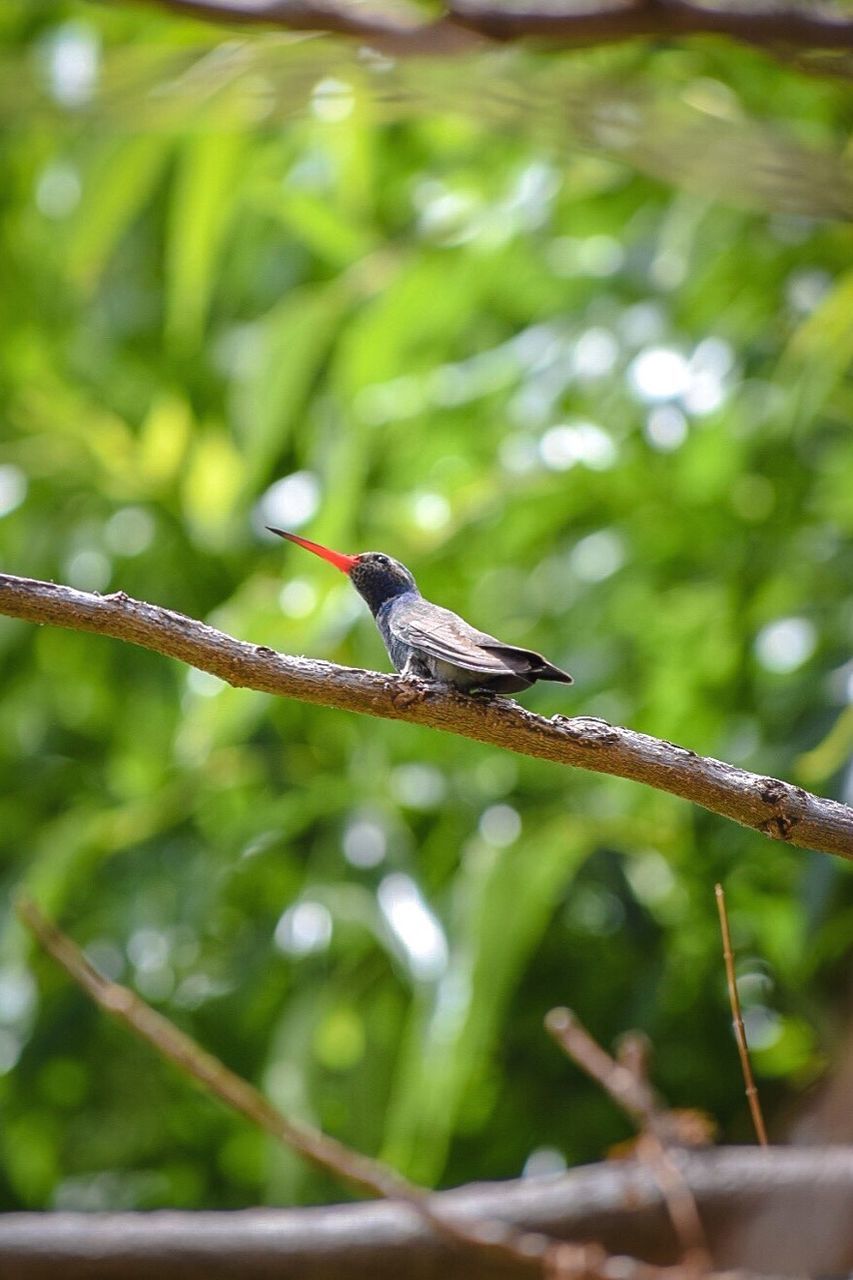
[{"x": 427, "y": 641}]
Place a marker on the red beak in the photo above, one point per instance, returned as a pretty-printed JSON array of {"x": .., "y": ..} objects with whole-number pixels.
[{"x": 345, "y": 563}]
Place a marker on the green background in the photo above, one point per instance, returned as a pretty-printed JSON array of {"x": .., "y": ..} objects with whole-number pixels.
[{"x": 568, "y": 335}]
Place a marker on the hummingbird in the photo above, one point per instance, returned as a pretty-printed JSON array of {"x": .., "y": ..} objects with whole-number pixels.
[{"x": 428, "y": 642}]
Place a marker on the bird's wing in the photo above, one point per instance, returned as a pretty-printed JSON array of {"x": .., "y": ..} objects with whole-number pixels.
[{"x": 446, "y": 637}]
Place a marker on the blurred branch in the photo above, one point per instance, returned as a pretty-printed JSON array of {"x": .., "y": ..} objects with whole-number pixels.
[
  {"x": 567, "y": 25},
  {"x": 737, "y": 1020},
  {"x": 775, "y": 808},
  {"x": 396, "y": 30},
  {"x": 627, "y": 1084},
  {"x": 617, "y": 1201},
  {"x": 615, "y": 20},
  {"x": 493, "y": 1238},
  {"x": 122, "y": 1003},
  {"x": 522, "y": 1229}
]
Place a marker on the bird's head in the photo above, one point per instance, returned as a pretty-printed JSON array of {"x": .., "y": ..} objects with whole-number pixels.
[{"x": 374, "y": 575}]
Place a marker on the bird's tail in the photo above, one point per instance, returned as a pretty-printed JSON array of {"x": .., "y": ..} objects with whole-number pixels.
[
  {"x": 528, "y": 662},
  {"x": 550, "y": 672}
]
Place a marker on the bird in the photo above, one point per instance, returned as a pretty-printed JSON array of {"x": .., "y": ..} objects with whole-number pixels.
[{"x": 427, "y": 642}]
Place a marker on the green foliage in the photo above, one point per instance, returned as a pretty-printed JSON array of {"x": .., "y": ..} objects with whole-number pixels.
[{"x": 592, "y": 386}]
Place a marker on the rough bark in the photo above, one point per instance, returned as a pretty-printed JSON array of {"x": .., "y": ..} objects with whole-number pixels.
[{"x": 773, "y": 807}]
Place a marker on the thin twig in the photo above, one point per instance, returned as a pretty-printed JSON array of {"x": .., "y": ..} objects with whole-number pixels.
[
  {"x": 775, "y": 808},
  {"x": 632, "y": 1095},
  {"x": 677, "y": 1127},
  {"x": 737, "y": 1020},
  {"x": 632, "y": 1092}
]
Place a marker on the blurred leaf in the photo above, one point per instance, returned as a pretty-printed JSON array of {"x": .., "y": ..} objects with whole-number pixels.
[
  {"x": 204, "y": 203},
  {"x": 296, "y": 337},
  {"x": 164, "y": 440},
  {"x": 821, "y": 349},
  {"x": 212, "y": 480},
  {"x": 324, "y": 229},
  {"x": 830, "y": 755},
  {"x": 791, "y": 1051},
  {"x": 30, "y": 1157},
  {"x": 506, "y": 901},
  {"x": 119, "y": 183}
]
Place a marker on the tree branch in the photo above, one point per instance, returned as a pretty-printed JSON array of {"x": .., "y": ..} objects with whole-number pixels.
[
  {"x": 775, "y": 808},
  {"x": 566, "y": 25},
  {"x": 605, "y": 23},
  {"x": 800, "y": 1197},
  {"x": 627, "y": 1084},
  {"x": 492, "y": 1239},
  {"x": 397, "y": 31}
]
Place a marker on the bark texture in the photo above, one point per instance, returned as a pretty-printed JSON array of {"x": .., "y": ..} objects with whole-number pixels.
[{"x": 775, "y": 808}]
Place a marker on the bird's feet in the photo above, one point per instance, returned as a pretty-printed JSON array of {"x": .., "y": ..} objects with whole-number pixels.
[
  {"x": 416, "y": 670},
  {"x": 411, "y": 688},
  {"x": 482, "y": 695}
]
